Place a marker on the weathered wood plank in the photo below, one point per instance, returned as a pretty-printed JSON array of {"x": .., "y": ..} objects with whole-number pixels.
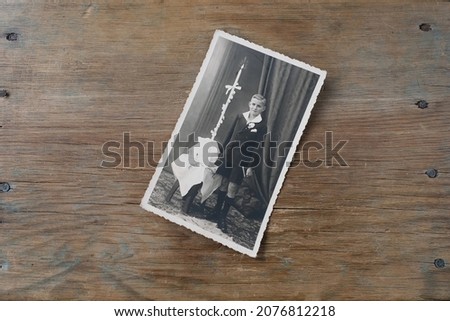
[{"x": 80, "y": 75}]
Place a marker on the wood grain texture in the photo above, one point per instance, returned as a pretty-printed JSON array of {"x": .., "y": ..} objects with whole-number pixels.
[{"x": 82, "y": 73}]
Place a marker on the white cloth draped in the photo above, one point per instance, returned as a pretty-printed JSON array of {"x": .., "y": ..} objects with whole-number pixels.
[{"x": 198, "y": 166}]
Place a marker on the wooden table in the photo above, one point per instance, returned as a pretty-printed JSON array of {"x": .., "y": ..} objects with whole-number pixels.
[{"x": 79, "y": 74}]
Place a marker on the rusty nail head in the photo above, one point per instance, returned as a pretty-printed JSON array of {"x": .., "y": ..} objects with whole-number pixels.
[
  {"x": 432, "y": 173},
  {"x": 422, "y": 104},
  {"x": 439, "y": 263},
  {"x": 425, "y": 27},
  {"x": 5, "y": 187},
  {"x": 12, "y": 36}
]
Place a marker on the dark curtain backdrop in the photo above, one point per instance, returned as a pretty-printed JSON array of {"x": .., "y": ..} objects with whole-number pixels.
[{"x": 288, "y": 90}]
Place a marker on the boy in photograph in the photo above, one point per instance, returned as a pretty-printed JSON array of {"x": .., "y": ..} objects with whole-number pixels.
[{"x": 240, "y": 156}]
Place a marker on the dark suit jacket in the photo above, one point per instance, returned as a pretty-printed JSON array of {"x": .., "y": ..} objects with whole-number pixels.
[{"x": 242, "y": 147}]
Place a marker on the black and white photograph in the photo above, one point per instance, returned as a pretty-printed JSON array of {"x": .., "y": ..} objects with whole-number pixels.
[{"x": 227, "y": 158}]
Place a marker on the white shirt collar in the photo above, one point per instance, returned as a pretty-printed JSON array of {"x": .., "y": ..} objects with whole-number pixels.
[{"x": 257, "y": 119}]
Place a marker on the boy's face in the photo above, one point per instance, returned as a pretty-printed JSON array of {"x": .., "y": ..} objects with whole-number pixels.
[{"x": 256, "y": 107}]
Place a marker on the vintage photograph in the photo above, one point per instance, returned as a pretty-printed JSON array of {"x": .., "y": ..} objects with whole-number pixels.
[{"x": 229, "y": 153}]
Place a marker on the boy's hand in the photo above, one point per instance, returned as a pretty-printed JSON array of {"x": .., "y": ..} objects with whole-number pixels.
[{"x": 249, "y": 172}]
